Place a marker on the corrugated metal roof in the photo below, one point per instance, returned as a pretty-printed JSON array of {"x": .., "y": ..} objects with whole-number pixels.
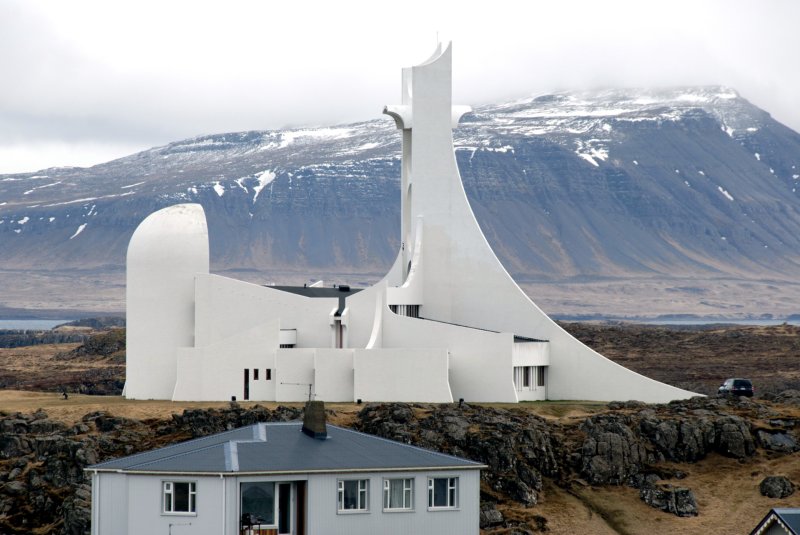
[{"x": 282, "y": 447}]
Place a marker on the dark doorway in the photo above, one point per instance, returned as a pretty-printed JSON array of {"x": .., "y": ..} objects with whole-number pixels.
[
  {"x": 246, "y": 383},
  {"x": 284, "y": 508},
  {"x": 300, "y": 521}
]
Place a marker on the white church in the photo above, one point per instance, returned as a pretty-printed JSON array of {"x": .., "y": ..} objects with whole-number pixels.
[{"x": 447, "y": 321}]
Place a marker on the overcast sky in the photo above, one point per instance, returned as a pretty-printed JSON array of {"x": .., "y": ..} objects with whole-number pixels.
[{"x": 82, "y": 82}]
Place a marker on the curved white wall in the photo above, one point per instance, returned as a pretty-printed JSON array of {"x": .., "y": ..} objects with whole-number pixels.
[
  {"x": 464, "y": 282},
  {"x": 165, "y": 253}
]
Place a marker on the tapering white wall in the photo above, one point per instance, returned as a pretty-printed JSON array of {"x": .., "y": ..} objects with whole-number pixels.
[{"x": 464, "y": 282}]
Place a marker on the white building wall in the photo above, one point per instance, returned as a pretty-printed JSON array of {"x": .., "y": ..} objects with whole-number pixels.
[
  {"x": 530, "y": 354},
  {"x": 216, "y": 372},
  {"x": 165, "y": 253},
  {"x": 226, "y": 307},
  {"x": 402, "y": 375},
  {"x": 324, "y": 519},
  {"x": 479, "y": 361},
  {"x": 333, "y": 375},
  {"x": 362, "y": 312},
  {"x": 294, "y": 372}
]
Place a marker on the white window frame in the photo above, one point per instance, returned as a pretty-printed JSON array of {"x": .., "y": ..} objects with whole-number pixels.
[
  {"x": 275, "y": 485},
  {"x": 408, "y": 494},
  {"x": 452, "y": 494},
  {"x": 168, "y": 489},
  {"x": 362, "y": 499}
]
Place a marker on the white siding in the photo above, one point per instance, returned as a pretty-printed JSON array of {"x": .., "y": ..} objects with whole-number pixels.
[
  {"x": 530, "y": 354},
  {"x": 145, "y": 507},
  {"x": 110, "y": 498},
  {"x": 323, "y": 518}
]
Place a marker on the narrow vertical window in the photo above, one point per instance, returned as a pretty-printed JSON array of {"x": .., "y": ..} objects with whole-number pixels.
[
  {"x": 268, "y": 375},
  {"x": 255, "y": 374}
]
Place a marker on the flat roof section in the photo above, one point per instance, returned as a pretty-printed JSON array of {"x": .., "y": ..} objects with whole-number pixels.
[{"x": 342, "y": 290}]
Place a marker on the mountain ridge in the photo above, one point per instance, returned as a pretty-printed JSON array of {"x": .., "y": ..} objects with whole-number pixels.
[{"x": 610, "y": 184}]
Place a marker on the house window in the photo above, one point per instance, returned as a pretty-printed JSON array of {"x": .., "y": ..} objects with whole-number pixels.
[
  {"x": 442, "y": 492},
  {"x": 398, "y": 494},
  {"x": 353, "y": 495},
  {"x": 179, "y": 497},
  {"x": 255, "y": 374},
  {"x": 258, "y": 503},
  {"x": 540, "y": 376},
  {"x": 268, "y": 376}
]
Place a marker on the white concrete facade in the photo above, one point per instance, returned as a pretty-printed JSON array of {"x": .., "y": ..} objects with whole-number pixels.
[{"x": 447, "y": 321}]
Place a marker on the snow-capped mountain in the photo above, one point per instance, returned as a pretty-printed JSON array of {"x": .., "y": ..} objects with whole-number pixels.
[{"x": 683, "y": 182}]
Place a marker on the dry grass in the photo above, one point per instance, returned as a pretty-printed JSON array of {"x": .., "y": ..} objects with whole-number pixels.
[
  {"x": 38, "y": 368},
  {"x": 726, "y": 491},
  {"x": 73, "y": 409}
]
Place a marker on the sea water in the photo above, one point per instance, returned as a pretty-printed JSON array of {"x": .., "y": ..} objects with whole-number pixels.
[{"x": 28, "y": 324}]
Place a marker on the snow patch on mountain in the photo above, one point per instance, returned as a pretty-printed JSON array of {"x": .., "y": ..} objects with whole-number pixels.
[
  {"x": 80, "y": 229},
  {"x": 292, "y": 136},
  {"x": 42, "y": 187},
  {"x": 590, "y": 151},
  {"x": 725, "y": 193},
  {"x": 264, "y": 179}
]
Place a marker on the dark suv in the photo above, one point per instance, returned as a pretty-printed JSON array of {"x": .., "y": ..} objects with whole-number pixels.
[{"x": 737, "y": 387}]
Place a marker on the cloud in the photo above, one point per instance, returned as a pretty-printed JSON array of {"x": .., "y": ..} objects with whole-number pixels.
[{"x": 146, "y": 73}]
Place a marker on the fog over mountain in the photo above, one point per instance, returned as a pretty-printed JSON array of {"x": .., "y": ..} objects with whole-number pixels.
[{"x": 677, "y": 190}]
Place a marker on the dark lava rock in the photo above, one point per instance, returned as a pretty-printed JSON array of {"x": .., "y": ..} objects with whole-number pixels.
[
  {"x": 678, "y": 501},
  {"x": 781, "y": 442},
  {"x": 612, "y": 453},
  {"x": 776, "y": 487},
  {"x": 733, "y": 437},
  {"x": 788, "y": 397},
  {"x": 490, "y": 516}
]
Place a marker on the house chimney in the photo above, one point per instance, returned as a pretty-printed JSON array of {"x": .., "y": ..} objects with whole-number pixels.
[{"x": 314, "y": 420}]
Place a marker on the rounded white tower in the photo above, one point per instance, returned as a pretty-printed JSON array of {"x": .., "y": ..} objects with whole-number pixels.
[{"x": 165, "y": 253}]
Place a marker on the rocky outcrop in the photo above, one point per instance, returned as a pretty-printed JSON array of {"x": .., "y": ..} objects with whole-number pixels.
[
  {"x": 788, "y": 397},
  {"x": 99, "y": 346},
  {"x": 43, "y": 486},
  {"x": 517, "y": 447},
  {"x": 612, "y": 453},
  {"x": 675, "y": 500},
  {"x": 776, "y": 487}
]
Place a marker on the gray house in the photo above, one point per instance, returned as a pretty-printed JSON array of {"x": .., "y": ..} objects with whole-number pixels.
[{"x": 286, "y": 478}]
